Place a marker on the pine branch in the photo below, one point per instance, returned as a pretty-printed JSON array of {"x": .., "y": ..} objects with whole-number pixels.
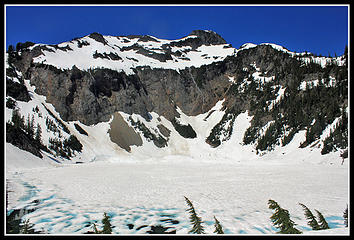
[
  {"x": 273, "y": 204},
  {"x": 309, "y": 216},
  {"x": 281, "y": 219},
  {"x": 218, "y": 227},
  {"x": 27, "y": 228},
  {"x": 322, "y": 221},
  {"x": 95, "y": 228},
  {"x": 194, "y": 219}
]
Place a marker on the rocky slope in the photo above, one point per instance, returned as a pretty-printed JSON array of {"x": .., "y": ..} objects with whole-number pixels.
[{"x": 158, "y": 83}]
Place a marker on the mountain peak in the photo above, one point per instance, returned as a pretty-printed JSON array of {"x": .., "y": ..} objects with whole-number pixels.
[{"x": 208, "y": 36}]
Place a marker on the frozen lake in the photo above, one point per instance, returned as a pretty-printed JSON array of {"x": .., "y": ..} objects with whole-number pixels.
[{"x": 152, "y": 193}]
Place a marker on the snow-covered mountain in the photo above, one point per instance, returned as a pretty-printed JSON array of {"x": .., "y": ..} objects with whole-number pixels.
[
  {"x": 124, "y": 53},
  {"x": 136, "y": 99}
]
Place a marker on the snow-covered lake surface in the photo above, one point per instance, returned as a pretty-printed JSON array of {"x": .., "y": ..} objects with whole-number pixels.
[{"x": 70, "y": 197}]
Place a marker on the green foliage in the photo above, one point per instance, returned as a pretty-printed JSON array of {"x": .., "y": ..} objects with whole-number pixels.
[
  {"x": 107, "y": 227},
  {"x": 95, "y": 228},
  {"x": 270, "y": 138},
  {"x": 322, "y": 221},
  {"x": 22, "y": 134},
  {"x": 218, "y": 227},
  {"x": 309, "y": 216},
  {"x": 17, "y": 226},
  {"x": 30, "y": 126},
  {"x": 338, "y": 138},
  {"x": 250, "y": 135},
  {"x": 287, "y": 138},
  {"x": 194, "y": 219},
  {"x": 27, "y": 228},
  {"x": 56, "y": 145},
  {"x": 51, "y": 126},
  {"x": 38, "y": 134},
  {"x": 281, "y": 219},
  {"x": 65, "y": 148},
  {"x": 312, "y": 109}
]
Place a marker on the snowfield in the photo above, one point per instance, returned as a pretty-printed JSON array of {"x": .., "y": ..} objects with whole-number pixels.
[
  {"x": 144, "y": 193},
  {"x": 147, "y": 187},
  {"x": 82, "y": 57}
]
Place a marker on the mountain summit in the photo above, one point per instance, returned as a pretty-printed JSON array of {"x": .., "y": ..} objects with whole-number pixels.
[{"x": 208, "y": 37}]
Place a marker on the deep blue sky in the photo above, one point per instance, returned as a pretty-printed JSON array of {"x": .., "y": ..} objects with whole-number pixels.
[{"x": 318, "y": 29}]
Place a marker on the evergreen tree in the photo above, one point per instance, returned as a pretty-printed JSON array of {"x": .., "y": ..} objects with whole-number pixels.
[
  {"x": 107, "y": 227},
  {"x": 10, "y": 49},
  {"x": 18, "y": 46},
  {"x": 195, "y": 219},
  {"x": 345, "y": 216},
  {"x": 30, "y": 126},
  {"x": 38, "y": 133},
  {"x": 309, "y": 216},
  {"x": 322, "y": 221},
  {"x": 281, "y": 219},
  {"x": 218, "y": 227},
  {"x": 17, "y": 120},
  {"x": 27, "y": 228}
]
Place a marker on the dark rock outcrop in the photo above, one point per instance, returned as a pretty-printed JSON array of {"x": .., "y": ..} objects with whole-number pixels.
[
  {"x": 98, "y": 37},
  {"x": 208, "y": 37},
  {"x": 17, "y": 90}
]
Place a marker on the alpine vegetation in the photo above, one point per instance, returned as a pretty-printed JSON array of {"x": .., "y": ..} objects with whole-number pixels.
[
  {"x": 281, "y": 219},
  {"x": 107, "y": 227},
  {"x": 194, "y": 219},
  {"x": 309, "y": 216},
  {"x": 321, "y": 220},
  {"x": 218, "y": 227}
]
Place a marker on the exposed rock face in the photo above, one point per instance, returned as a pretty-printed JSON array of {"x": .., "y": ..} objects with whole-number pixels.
[
  {"x": 17, "y": 91},
  {"x": 208, "y": 37},
  {"x": 98, "y": 37},
  {"x": 93, "y": 96},
  {"x": 122, "y": 134},
  {"x": 164, "y": 130}
]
